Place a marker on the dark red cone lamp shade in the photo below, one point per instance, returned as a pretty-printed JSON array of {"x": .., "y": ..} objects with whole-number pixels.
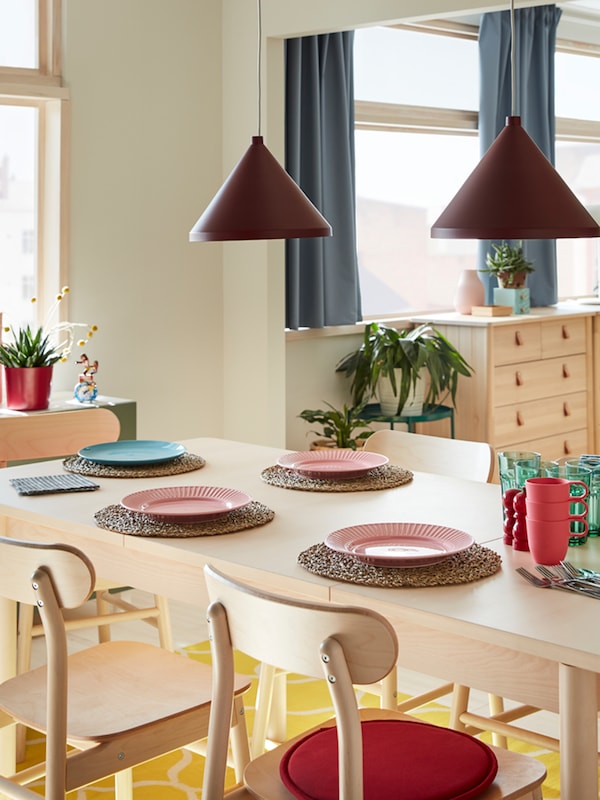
[
  {"x": 514, "y": 193},
  {"x": 259, "y": 200}
]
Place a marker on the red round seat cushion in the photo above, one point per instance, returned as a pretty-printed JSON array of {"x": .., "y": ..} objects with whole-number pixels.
[{"x": 402, "y": 759}]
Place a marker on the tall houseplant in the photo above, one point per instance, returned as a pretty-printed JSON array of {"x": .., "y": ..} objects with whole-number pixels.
[
  {"x": 29, "y": 356},
  {"x": 404, "y": 357}
]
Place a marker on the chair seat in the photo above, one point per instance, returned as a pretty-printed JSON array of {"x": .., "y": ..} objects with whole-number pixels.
[
  {"x": 108, "y": 695},
  {"x": 425, "y": 762},
  {"x": 515, "y": 771}
]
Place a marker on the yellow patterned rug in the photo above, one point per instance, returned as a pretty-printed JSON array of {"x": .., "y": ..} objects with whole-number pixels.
[{"x": 178, "y": 776}]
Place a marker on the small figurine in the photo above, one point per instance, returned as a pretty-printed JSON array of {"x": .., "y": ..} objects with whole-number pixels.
[{"x": 86, "y": 390}]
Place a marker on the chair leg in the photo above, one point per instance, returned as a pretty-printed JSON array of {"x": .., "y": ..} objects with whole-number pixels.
[
  {"x": 496, "y": 705},
  {"x": 264, "y": 700},
  {"x": 389, "y": 691},
  {"x": 165, "y": 633},
  {"x": 460, "y": 703},
  {"x": 124, "y": 785},
  {"x": 103, "y": 607},
  {"x": 240, "y": 746},
  {"x": 23, "y": 665}
]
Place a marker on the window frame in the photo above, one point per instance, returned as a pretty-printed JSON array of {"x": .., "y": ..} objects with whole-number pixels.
[{"x": 41, "y": 88}]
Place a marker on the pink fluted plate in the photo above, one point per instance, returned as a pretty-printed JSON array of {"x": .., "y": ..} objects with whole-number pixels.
[
  {"x": 399, "y": 544},
  {"x": 332, "y": 463},
  {"x": 186, "y": 504}
]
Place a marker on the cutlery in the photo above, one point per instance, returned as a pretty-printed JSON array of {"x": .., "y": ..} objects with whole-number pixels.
[
  {"x": 559, "y": 574},
  {"x": 547, "y": 583},
  {"x": 580, "y": 572}
]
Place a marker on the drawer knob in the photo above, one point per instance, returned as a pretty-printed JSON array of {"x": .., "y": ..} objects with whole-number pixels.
[
  {"x": 565, "y": 332},
  {"x": 518, "y": 379},
  {"x": 518, "y": 338},
  {"x": 520, "y": 420},
  {"x": 566, "y": 448},
  {"x": 565, "y": 371},
  {"x": 566, "y": 410}
]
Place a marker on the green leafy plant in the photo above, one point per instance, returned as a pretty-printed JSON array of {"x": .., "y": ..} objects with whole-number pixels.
[
  {"x": 508, "y": 263},
  {"x": 339, "y": 425},
  {"x": 34, "y": 347},
  {"x": 28, "y": 349},
  {"x": 411, "y": 350}
]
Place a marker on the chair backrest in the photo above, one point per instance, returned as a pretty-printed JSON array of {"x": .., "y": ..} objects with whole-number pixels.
[
  {"x": 351, "y": 644},
  {"x": 415, "y": 451},
  {"x": 55, "y": 434},
  {"x": 53, "y": 577}
]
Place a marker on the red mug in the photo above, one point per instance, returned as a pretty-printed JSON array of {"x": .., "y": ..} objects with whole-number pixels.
[
  {"x": 552, "y": 511},
  {"x": 554, "y": 490},
  {"x": 549, "y": 539}
]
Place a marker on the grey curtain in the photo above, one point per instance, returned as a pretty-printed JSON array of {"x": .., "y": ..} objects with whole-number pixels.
[
  {"x": 535, "y": 39},
  {"x": 322, "y": 286}
]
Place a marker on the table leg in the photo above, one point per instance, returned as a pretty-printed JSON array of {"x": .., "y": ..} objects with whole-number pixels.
[
  {"x": 8, "y": 661},
  {"x": 578, "y": 733}
]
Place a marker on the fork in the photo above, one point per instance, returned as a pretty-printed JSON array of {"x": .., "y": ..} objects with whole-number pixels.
[
  {"x": 560, "y": 574},
  {"x": 580, "y": 572},
  {"x": 547, "y": 583}
]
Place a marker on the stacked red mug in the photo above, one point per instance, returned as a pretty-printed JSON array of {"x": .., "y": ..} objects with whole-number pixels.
[{"x": 548, "y": 503}]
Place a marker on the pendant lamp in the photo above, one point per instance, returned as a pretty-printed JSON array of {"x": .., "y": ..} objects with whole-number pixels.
[
  {"x": 514, "y": 192},
  {"x": 259, "y": 199}
]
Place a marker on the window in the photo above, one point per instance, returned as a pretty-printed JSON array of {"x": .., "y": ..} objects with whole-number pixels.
[
  {"x": 32, "y": 104},
  {"x": 416, "y": 142}
]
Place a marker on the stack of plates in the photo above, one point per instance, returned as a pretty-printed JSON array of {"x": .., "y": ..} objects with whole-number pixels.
[
  {"x": 186, "y": 504},
  {"x": 324, "y": 464},
  {"x": 132, "y": 452},
  {"x": 399, "y": 544}
]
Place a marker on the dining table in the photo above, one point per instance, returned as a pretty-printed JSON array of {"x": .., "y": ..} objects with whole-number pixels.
[{"x": 495, "y": 633}]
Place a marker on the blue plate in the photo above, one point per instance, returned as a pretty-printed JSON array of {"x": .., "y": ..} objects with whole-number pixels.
[{"x": 130, "y": 452}]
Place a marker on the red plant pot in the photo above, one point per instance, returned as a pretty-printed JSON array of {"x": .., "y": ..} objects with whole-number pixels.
[{"x": 28, "y": 388}]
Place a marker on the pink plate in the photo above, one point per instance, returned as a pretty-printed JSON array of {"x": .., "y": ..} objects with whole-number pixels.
[
  {"x": 399, "y": 544},
  {"x": 186, "y": 504},
  {"x": 332, "y": 463}
]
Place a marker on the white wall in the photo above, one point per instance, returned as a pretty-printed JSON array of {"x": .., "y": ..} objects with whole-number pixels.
[{"x": 145, "y": 82}]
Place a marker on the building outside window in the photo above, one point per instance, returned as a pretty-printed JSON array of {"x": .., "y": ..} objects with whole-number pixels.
[
  {"x": 416, "y": 142},
  {"x": 32, "y": 158}
]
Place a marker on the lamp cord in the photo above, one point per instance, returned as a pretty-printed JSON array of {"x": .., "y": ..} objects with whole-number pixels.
[
  {"x": 512, "y": 59},
  {"x": 258, "y": 65}
]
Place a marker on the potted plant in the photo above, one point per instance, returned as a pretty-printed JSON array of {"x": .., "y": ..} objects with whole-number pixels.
[
  {"x": 338, "y": 427},
  {"x": 29, "y": 356},
  {"x": 509, "y": 265},
  {"x": 409, "y": 359}
]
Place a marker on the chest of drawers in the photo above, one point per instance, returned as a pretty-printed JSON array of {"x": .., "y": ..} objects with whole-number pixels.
[{"x": 533, "y": 387}]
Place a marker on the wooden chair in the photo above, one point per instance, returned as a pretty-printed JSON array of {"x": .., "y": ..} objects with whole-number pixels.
[
  {"x": 473, "y": 461},
  {"x": 117, "y": 703},
  {"x": 457, "y": 458},
  {"x": 346, "y": 645},
  {"x": 53, "y": 435}
]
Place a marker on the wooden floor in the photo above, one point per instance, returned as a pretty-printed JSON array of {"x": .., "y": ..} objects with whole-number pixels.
[{"x": 189, "y": 627}]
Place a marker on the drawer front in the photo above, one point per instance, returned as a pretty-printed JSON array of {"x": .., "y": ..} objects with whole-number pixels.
[
  {"x": 562, "y": 337},
  {"x": 537, "y": 418},
  {"x": 514, "y": 344},
  {"x": 532, "y": 380}
]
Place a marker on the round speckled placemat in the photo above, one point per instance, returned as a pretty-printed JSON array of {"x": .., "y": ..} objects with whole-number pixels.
[
  {"x": 470, "y": 565},
  {"x": 185, "y": 463},
  {"x": 121, "y": 520},
  {"x": 386, "y": 477}
]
